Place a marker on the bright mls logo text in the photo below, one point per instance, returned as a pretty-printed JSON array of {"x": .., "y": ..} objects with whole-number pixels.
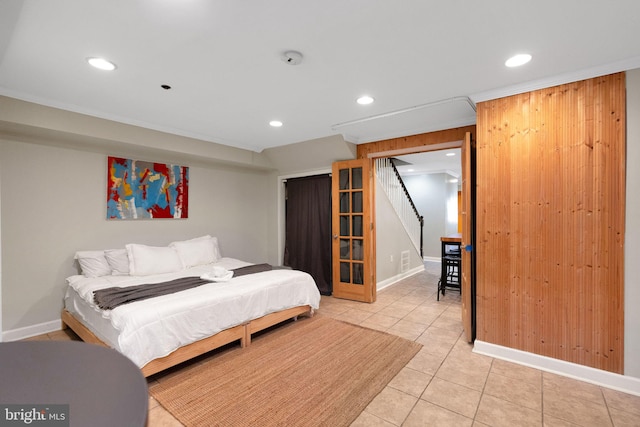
[{"x": 38, "y": 415}]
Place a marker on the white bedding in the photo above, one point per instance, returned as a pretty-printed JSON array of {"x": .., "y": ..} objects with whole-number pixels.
[{"x": 153, "y": 328}]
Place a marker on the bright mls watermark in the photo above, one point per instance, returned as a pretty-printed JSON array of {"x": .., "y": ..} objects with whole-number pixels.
[{"x": 34, "y": 415}]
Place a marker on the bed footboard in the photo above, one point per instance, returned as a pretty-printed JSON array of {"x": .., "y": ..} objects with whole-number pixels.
[
  {"x": 195, "y": 349},
  {"x": 68, "y": 320},
  {"x": 269, "y": 320},
  {"x": 241, "y": 332}
]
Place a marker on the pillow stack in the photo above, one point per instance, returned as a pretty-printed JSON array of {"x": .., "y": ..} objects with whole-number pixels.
[{"x": 143, "y": 260}]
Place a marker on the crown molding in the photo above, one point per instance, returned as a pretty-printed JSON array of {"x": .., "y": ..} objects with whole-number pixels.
[{"x": 574, "y": 76}]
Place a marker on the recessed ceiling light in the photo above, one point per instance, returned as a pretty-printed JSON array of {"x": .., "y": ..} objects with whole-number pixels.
[
  {"x": 450, "y": 154},
  {"x": 518, "y": 60},
  {"x": 275, "y": 123},
  {"x": 365, "y": 100},
  {"x": 102, "y": 64}
]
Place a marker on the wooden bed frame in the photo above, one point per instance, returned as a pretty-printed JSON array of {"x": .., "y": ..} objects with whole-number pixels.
[{"x": 241, "y": 332}]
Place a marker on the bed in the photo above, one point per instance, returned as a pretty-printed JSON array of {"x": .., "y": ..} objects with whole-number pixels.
[{"x": 162, "y": 331}]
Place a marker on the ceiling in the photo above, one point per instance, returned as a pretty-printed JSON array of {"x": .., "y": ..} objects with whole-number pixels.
[
  {"x": 440, "y": 161},
  {"x": 425, "y": 62}
]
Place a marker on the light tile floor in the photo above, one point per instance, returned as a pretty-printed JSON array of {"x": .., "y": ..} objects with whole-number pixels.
[{"x": 446, "y": 384}]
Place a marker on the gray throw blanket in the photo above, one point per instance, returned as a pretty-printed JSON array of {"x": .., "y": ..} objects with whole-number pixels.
[{"x": 110, "y": 298}]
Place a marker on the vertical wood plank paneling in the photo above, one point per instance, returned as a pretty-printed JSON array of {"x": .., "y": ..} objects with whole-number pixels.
[{"x": 550, "y": 224}]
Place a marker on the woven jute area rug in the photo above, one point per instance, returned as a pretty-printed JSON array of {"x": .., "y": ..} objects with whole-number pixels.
[{"x": 313, "y": 372}]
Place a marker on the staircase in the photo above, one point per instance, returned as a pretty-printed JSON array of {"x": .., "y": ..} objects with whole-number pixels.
[{"x": 390, "y": 180}]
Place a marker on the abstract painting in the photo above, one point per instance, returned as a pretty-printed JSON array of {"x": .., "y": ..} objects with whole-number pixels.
[{"x": 143, "y": 190}]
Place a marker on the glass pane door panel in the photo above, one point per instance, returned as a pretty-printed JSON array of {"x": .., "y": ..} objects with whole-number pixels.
[
  {"x": 344, "y": 225},
  {"x": 344, "y": 179},
  {"x": 344, "y": 249},
  {"x": 344, "y": 202},
  {"x": 358, "y": 274},
  {"x": 356, "y": 177},
  {"x": 357, "y": 201},
  {"x": 357, "y": 250},
  {"x": 345, "y": 275},
  {"x": 357, "y": 225}
]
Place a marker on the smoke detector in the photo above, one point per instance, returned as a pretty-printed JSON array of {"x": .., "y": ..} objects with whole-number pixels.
[{"x": 292, "y": 57}]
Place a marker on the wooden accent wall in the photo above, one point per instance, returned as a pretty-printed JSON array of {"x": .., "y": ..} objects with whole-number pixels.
[
  {"x": 415, "y": 141},
  {"x": 550, "y": 222}
]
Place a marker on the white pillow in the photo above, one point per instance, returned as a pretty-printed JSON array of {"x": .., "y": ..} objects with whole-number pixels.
[
  {"x": 216, "y": 249},
  {"x": 118, "y": 260},
  {"x": 198, "y": 251},
  {"x": 145, "y": 260},
  {"x": 93, "y": 263}
]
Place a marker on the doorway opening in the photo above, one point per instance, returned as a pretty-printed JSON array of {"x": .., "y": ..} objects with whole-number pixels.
[
  {"x": 308, "y": 228},
  {"x": 433, "y": 180},
  {"x": 281, "y": 208}
]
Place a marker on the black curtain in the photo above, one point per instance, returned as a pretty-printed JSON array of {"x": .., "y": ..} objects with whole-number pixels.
[{"x": 308, "y": 229}]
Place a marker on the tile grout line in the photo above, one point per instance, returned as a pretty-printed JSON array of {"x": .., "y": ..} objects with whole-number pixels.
[
  {"x": 484, "y": 386},
  {"x": 606, "y": 404}
]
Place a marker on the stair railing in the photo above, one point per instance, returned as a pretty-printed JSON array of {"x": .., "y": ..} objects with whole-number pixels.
[{"x": 392, "y": 184}]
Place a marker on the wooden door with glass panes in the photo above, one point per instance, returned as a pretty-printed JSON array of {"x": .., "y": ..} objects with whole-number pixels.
[{"x": 353, "y": 234}]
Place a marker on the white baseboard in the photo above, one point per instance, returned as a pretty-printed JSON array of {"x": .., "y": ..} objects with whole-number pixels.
[
  {"x": 31, "y": 331},
  {"x": 432, "y": 258},
  {"x": 599, "y": 377},
  {"x": 390, "y": 281}
]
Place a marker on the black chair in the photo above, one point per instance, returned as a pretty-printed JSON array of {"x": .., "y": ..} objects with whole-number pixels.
[{"x": 451, "y": 268}]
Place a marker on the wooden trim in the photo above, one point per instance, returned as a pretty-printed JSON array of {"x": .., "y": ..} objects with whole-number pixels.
[
  {"x": 269, "y": 320},
  {"x": 241, "y": 332},
  {"x": 412, "y": 144},
  {"x": 80, "y": 329},
  {"x": 195, "y": 349},
  {"x": 413, "y": 150}
]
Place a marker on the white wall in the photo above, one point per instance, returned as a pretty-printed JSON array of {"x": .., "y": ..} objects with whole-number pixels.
[
  {"x": 632, "y": 233},
  {"x": 451, "y": 206},
  {"x": 433, "y": 195},
  {"x": 54, "y": 203},
  {"x": 391, "y": 240}
]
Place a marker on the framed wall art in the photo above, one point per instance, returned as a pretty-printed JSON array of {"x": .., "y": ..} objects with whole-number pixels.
[{"x": 145, "y": 190}]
